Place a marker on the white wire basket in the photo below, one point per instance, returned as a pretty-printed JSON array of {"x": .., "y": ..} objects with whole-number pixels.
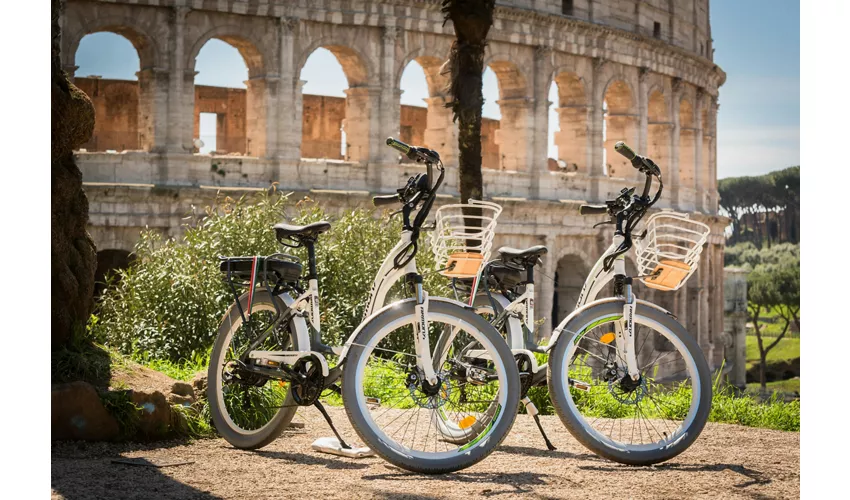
[
  {"x": 669, "y": 253},
  {"x": 462, "y": 242}
]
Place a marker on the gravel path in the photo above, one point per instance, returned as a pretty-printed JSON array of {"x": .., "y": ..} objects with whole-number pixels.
[{"x": 727, "y": 461}]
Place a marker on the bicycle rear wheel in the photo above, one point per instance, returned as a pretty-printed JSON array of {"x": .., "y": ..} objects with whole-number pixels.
[
  {"x": 398, "y": 415},
  {"x": 248, "y": 410}
]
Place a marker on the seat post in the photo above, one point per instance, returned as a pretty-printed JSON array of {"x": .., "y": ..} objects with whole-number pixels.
[{"x": 311, "y": 258}]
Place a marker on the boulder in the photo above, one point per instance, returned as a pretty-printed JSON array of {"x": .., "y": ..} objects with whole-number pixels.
[
  {"x": 154, "y": 414},
  {"x": 199, "y": 383},
  {"x": 77, "y": 413}
]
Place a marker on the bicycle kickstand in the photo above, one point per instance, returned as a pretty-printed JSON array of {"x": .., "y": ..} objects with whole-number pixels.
[
  {"x": 318, "y": 404},
  {"x": 532, "y": 410}
]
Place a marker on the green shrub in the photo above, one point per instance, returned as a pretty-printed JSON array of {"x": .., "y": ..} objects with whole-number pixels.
[{"x": 169, "y": 302}]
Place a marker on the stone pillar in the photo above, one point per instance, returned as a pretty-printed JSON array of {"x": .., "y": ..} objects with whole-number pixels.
[
  {"x": 621, "y": 127},
  {"x": 546, "y": 290},
  {"x": 674, "y": 148},
  {"x": 289, "y": 122},
  {"x": 260, "y": 119},
  {"x": 153, "y": 109},
  {"x": 538, "y": 159},
  {"x": 735, "y": 325},
  {"x": 386, "y": 120},
  {"x": 180, "y": 112},
  {"x": 699, "y": 173},
  {"x": 714, "y": 196},
  {"x": 572, "y": 139},
  {"x": 359, "y": 104},
  {"x": 643, "y": 111},
  {"x": 441, "y": 130},
  {"x": 515, "y": 134},
  {"x": 595, "y": 143},
  {"x": 298, "y": 110}
]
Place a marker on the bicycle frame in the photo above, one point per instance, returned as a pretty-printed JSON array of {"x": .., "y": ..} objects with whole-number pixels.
[
  {"x": 521, "y": 312},
  {"x": 307, "y": 305}
]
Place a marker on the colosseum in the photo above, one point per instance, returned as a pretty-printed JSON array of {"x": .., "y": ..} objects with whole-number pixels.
[{"x": 637, "y": 71}]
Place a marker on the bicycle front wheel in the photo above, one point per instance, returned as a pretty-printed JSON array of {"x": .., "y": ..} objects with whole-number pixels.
[
  {"x": 400, "y": 416},
  {"x": 640, "y": 422}
]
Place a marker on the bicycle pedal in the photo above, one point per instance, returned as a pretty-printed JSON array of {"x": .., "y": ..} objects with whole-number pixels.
[{"x": 332, "y": 446}]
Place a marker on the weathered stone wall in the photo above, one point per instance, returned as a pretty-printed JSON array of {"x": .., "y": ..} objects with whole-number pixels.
[
  {"x": 116, "y": 108},
  {"x": 229, "y": 105}
]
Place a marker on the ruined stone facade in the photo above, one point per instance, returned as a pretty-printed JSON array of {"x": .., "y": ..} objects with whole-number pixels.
[{"x": 637, "y": 71}]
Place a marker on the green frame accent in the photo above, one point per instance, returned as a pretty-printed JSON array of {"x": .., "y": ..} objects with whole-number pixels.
[
  {"x": 486, "y": 430},
  {"x": 594, "y": 325}
]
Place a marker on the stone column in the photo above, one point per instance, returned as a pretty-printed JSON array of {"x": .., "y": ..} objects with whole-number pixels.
[
  {"x": 546, "y": 290},
  {"x": 153, "y": 109},
  {"x": 735, "y": 324},
  {"x": 180, "y": 112},
  {"x": 714, "y": 196},
  {"x": 441, "y": 130},
  {"x": 359, "y": 104},
  {"x": 699, "y": 172},
  {"x": 538, "y": 160},
  {"x": 298, "y": 110},
  {"x": 674, "y": 148},
  {"x": 595, "y": 144},
  {"x": 288, "y": 121},
  {"x": 643, "y": 111},
  {"x": 260, "y": 119},
  {"x": 515, "y": 134}
]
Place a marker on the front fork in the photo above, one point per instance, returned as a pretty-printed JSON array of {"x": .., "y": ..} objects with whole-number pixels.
[
  {"x": 625, "y": 329},
  {"x": 421, "y": 340}
]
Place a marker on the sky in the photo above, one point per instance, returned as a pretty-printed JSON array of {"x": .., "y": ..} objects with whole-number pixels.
[{"x": 757, "y": 44}]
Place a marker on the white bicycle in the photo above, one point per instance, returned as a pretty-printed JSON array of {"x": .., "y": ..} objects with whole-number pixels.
[
  {"x": 410, "y": 387},
  {"x": 627, "y": 379}
]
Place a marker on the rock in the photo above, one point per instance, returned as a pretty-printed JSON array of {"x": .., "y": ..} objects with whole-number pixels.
[
  {"x": 199, "y": 382},
  {"x": 77, "y": 413},
  {"x": 177, "y": 399},
  {"x": 183, "y": 389},
  {"x": 155, "y": 414}
]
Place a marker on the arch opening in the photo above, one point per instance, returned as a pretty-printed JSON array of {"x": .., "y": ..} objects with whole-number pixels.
[
  {"x": 415, "y": 107},
  {"x": 571, "y": 138},
  {"x": 621, "y": 123},
  {"x": 109, "y": 73},
  {"x": 225, "y": 105},
  {"x": 109, "y": 262},
  {"x": 336, "y": 104},
  {"x": 512, "y": 134},
  {"x": 569, "y": 278}
]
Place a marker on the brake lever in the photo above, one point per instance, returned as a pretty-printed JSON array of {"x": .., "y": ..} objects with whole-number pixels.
[{"x": 602, "y": 223}]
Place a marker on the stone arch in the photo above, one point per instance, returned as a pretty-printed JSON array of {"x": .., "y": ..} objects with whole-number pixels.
[
  {"x": 356, "y": 67},
  {"x": 621, "y": 124},
  {"x": 511, "y": 78},
  {"x": 109, "y": 260},
  {"x": 249, "y": 48},
  {"x": 571, "y": 271},
  {"x": 145, "y": 44}
]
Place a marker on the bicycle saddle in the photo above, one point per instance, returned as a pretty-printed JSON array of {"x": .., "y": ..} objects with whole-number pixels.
[
  {"x": 310, "y": 231},
  {"x": 513, "y": 253}
]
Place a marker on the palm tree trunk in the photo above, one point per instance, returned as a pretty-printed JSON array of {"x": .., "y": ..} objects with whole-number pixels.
[{"x": 472, "y": 20}]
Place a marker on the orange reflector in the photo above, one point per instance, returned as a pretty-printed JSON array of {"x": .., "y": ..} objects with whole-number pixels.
[
  {"x": 466, "y": 422},
  {"x": 607, "y": 338}
]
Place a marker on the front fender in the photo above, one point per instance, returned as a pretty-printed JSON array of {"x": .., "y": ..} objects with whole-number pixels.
[{"x": 563, "y": 324}]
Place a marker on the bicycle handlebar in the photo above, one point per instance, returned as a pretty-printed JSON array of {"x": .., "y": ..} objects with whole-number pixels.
[{"x": 385, "y": 199}]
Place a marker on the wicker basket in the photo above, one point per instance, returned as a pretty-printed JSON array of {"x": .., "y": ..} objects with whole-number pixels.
[
  {"x": 463, "y": 237},
  {"x": 669, "y": 253}
]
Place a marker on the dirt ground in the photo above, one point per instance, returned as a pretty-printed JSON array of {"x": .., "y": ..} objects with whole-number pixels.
[{"x": 727, "y": 461}]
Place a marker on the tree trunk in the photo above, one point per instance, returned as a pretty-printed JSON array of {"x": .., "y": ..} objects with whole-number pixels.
[
  {"x": 73, "y": 257},
  {"x": 472, "y": 20}
]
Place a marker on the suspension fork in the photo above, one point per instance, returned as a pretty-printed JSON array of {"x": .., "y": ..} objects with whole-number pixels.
[
  {"x": 625, "y": 328},
  {"x": 421, "y": 340}
]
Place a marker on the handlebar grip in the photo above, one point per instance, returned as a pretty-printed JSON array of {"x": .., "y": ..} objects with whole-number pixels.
[
  {"x": 593, "y": 210},
  {"x": 624, "y": 150},
  {"x": 398, "y": 145},
  {"x": 386, "y": 199}
]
